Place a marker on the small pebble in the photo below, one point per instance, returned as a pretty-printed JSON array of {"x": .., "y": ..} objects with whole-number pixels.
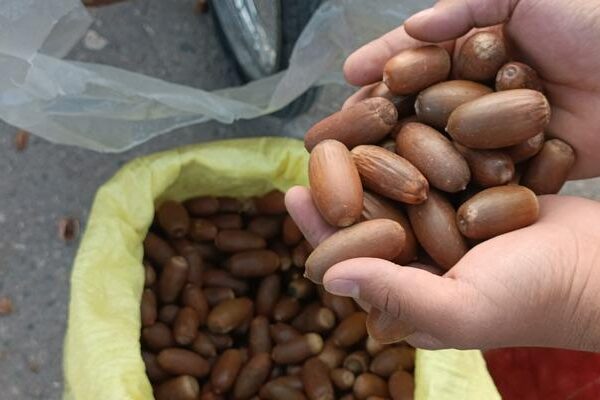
[
  {"x": 6, "y": 306},
  {"x": 68, "y": 229},
  {"x": 93, "y": 41},
  {"x": 21, "y": 140},
  {"x": 201, "y": 6}
]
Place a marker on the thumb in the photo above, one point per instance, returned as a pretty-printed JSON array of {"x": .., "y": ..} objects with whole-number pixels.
[
  {"x": 450, "y": 19},
  {"x": 440, "y": 307}
]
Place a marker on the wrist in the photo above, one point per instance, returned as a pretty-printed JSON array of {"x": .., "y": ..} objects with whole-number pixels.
[
  {"x": 585, "y": 296},
  {"x": 580, "y": 272}
]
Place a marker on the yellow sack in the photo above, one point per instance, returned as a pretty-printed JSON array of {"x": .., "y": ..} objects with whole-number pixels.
[{"x": 102, "y": 358}]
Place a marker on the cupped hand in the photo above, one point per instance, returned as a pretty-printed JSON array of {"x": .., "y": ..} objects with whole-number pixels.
[
  {"x": 537, "y": 286},
  {"x": 556, "y": 37}
]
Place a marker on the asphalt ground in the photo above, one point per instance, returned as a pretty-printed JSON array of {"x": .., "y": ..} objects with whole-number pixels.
[{"x": 47, "y": 182}]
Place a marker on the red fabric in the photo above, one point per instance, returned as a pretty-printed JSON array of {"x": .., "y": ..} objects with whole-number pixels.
[{"x": 545, "y": 374}]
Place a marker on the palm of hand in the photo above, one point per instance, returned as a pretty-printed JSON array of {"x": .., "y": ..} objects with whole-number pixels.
[
  {"x": 527, "y": 287},
  {"x": 561, "y": 46},
  {"x": 518, "y": 285},
  {"x": 556, "y": 37}
]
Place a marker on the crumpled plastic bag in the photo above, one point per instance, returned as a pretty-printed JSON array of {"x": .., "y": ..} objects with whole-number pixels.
[
  {"x": 102, "y": 359},
  {"x": 108, "y": 109}
]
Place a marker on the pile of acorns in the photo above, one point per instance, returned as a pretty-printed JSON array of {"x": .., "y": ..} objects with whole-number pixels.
[
  {"x": 227, "y": 314},
  {"x": 464, "y": 162}
]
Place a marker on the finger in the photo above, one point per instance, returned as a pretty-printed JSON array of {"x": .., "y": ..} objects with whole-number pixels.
[
  {"x": 425, "y": 341},
  {"x": 365, "y": 65},
  {"x": 386, "y": 328},
  {"x": 429, "y": 303},
  {"x": 450, "y": 19},
  {"x": 359, "y": 95},
  {"x": 431, "y": 268},
  {"x": 303, "y": 211},
  {"x": 363, "y": 304}
]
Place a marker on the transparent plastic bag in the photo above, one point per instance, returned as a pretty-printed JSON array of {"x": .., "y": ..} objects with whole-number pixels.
[{"x": 108, "y": 109}]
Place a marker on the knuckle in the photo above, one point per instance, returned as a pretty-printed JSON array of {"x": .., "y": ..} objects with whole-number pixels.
[{"x": 391, "y": 300}]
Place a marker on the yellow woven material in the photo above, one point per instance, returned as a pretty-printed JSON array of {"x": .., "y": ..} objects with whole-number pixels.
[{"x": 102, "y": 348}]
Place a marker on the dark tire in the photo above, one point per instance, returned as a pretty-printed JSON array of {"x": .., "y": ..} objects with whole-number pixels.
[{"x": 295, "y": 14}]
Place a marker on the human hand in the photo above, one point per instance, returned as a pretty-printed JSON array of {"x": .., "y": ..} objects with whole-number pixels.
[
  {"x": 555, "y": 37},
  {"x": 537, "y": 286}
]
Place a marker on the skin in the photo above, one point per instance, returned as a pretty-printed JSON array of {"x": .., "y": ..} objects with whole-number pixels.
[{"x": 537, "y": 286}]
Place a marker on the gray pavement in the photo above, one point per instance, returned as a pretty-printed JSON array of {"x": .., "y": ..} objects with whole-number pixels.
[
  {"x": 161, "y": 38},
  {"x": 46, "y": 182}
]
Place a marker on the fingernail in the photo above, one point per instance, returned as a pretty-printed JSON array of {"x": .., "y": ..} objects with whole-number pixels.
[
  {"x": 420, "y": 15},
  {"x": 343, "y": 287}
]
